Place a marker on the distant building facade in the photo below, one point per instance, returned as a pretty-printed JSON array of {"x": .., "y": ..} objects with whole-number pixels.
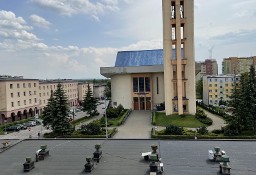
[
  {"x": 99, "y": 91},
  {"x": 23, "y": 98},
  {"x": 18, "y": 98},
  {"x": 207, "y": 67},
  {"x": 216, "y": 88},
  {"x": 236, "y": 65}
]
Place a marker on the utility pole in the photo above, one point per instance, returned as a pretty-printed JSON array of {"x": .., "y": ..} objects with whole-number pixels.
[{"x": 106, "y": 120}]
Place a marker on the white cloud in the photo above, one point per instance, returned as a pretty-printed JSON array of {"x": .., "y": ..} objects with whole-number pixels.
[
  {"x": 89, "y": 7},
  {"x": 39, "y": 21},
  {"x": 15, "y": 31}
]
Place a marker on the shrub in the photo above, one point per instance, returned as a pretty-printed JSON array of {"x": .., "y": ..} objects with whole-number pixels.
[
  {"x": 92, "y": 128},
  {"x": 173, "y": 130},
  {"x": 120, "y": 109},
  {"x": 229, "y": 131},
  {"x": 112, "y": 113},
  {"x": 202, "y": 130},
  {"x": 217, "y": 131},
  {"x": 202, "y": 117}
]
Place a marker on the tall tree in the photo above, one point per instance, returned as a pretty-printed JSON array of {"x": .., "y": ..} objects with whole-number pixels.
[
  {"x": 89, "y": 102},
  {"x": 199, "y": 88},
  {"x": 56, "y": 112},
  {"x": 108, "y": 90},
  {"x": 252, "y": 91}
]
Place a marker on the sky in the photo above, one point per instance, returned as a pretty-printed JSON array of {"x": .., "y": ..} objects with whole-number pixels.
[{"x": 50, "y": 39}]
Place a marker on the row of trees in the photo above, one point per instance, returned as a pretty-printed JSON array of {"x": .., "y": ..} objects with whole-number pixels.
[
  {"x": 56, "y": 112},
  {"x": 243, "y": 103}
]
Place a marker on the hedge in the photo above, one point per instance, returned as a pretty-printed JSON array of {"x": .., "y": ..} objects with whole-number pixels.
[
  {"x": 78, "y": 121},
  {"x": 189, "y": 137},
  {"x": 111, "y": 133},
  {"x": 153, "y": 118}
]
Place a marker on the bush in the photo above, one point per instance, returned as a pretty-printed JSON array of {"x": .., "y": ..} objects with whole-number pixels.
[
  {"x": 202, "y": 130},
  {"x": 120, "y": 109},
  {"x": 202, "y": 117},
  {"x": 229, "y": 131},
  {"x": 173, "y": 130},
  {"x": 92, "y": 128},
  {"x": 217, "y": 131},
  {"x": 112, "y": 113}
]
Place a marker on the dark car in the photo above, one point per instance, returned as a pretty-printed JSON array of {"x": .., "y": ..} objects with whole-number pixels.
[
  {"x": 22, "y": 126},
  {"x": 13, "y": 128}
]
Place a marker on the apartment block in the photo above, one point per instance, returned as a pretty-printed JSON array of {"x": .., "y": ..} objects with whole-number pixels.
[
  {"x": 216, "y": 88},
  {"x": 236, "y": 65},
  {"x": 18, "y": 98},
  {"x": 23, "y": 98}
]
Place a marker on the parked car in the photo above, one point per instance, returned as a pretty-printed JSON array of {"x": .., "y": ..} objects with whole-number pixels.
[
  {"x": 22, "y": 126},
  {"x": 13, "y": 128},
  {"x": 30, "y": 123}
]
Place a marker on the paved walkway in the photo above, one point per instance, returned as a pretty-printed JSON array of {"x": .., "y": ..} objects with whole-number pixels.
[
  {"x": 217, "y": 121},
  {"x": 137, "y": 126}
]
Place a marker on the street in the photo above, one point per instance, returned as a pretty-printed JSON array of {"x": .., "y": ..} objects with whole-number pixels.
[{"x": 33, "y": 132}]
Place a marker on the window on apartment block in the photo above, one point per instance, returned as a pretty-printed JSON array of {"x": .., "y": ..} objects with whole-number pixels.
[
  {"x": 216, "y": 85},
  {"x": 210, "y": 85},
  {"x": 12, "y": 95},
  {"x": 18, "y": 103},
  {"x": 18, "y": 94},
  {"x": 24, "y": 93},
  {"x": 29, "y": 85},
  {"x": 35, "y": 100},
  {"x": 34, "y": 92},
  {"x": 29, "y": 93},
  {"x": 24, "y": 85},
  {"x": 25, "y": 102},
  {"x": 29, "y": 101},
  {"x": 18, "y": 85},
  {"x": 34, "y": 84},
  {"x": 11, "y": 86},
  {"x": 12, "y": 104}
]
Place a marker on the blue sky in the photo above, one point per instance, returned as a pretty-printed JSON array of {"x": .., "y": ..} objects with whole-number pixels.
[{"x": 74, "y": 38}]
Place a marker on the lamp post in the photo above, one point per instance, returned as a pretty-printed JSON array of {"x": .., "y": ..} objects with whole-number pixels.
[
  {"x": 106, "y": 120},
  {"x": 5, "y": 121}
]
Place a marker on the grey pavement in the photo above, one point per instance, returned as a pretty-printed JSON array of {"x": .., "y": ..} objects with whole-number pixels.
[{"x": 137, "y": 126}]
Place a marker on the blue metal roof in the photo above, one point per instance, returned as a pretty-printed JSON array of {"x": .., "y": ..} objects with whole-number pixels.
[{"x": 141, "y": 58}]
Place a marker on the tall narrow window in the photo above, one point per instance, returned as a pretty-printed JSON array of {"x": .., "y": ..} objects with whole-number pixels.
[
  {"x": 147, "y": 82},
  {"x": 141, "y": 84},
  {"x": 173, "y": 32},
  {"x": 173, "y": 10},
  {"x": 135, "y": 84},
  {"x": 181, "y": 9},
  {"x": 157, "y": 86}
]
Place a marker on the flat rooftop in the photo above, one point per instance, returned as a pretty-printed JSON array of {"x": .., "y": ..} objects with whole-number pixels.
[{"x": 123, "y": 157}]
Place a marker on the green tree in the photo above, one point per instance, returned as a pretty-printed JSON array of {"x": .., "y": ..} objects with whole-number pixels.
[
  {"x": 56, "y": 112},
  {"x": 199, "y": 88},
  {"x": 108, "y": 90},
  {"x": 252, "y": 91},
  {"x": 89, "y": 103}
]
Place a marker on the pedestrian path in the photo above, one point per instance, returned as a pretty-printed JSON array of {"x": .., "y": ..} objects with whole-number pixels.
[
  {"x": 137, "y": 126},
  {"x": 217, "y": 122}
]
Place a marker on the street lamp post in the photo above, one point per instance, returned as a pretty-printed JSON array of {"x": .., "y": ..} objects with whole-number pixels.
[{"x": 106, "y": 120}]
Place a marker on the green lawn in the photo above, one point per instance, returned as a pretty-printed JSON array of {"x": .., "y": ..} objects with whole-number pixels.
[{"x": 185, "y": 121}]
